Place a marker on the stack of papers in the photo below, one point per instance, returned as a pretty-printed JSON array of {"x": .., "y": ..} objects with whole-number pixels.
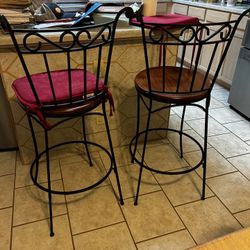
[{"x": 53, "y": 24}]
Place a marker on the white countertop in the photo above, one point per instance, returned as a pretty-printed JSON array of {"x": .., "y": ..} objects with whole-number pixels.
[{"x": 217, "y": 6}]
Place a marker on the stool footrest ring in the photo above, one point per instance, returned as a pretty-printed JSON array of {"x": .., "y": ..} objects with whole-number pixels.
[
  {"x": 36, "y": 161},
  {"x": 160, "y": 171}
]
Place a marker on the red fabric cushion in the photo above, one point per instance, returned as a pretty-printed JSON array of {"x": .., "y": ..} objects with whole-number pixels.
[
  {"x": 24, "y": 92},
  {"x": 168, "y": 19}
]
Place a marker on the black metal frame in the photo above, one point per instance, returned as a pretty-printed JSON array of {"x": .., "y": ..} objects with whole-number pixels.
[
  {"x": 81, "y": 40},
  {"x": 184, "y": 92}
]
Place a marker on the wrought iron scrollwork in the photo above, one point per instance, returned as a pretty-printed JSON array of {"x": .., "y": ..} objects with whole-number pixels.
[
  {"x": 38, "y": 41},
  {"x": 189, "y": 33},
  {"x": 101, "y": 36}
]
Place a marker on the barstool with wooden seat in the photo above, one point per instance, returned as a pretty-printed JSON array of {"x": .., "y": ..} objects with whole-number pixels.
[{"x": 179, "y": 85}]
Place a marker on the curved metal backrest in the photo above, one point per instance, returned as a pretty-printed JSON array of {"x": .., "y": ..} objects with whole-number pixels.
[
  {"x": 88, "y": 48},
  {"x": 202, "y": 44}
]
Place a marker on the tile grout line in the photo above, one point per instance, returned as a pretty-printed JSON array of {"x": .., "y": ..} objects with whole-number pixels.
[
  {"x": 185, "y": 227},
  {"x": 120, "y": 206},
  {"x": 224, "y": 205},
  {"x": 34, "y": 221},
  {"x": 13, "y": 204},
  {"x": 66, "y": 204}
]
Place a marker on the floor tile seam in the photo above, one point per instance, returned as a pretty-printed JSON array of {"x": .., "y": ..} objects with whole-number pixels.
[
  {"x": 230, "y": 211},
  {"x": 193, "y": 119},
  {"x": 98, "y": 228},
  {"x": 4, "y": 175},
  {"x": 195, "y": 201},
  {"x": 231, "y": 157},
  {"x": 244, "y": 140},
  {"x": 40, "y": 182},
  {"x": 216, "y": 107},
  {"x": 217, "y": 196},
  {"x": 244, "y": 210},
  {"x": 176, "y": 151},
  {"x": 107, "y": 226},
  {"x": 226, "y": 158},
  {"x": 219, "y": 135},
  {"x": 239, "y": 119},
  {"x": 150, "y": 192},
  {"x": 125, "y": 221},
  {"x": 236, "y": 167},
  {"x": 174, "y": 169},
  {"x": 34, "y": 185},
  {"x": 39, "y": 220},
  {"x": 222, "y": 174},
  {"x": 223, "y": 157},
  {"x": 3, "y": 208},
  {"x": 184, "y": 152},
  {"x": 166, "y": 234},
  {"x": 97, "y": 187},
  {"x": 185, "y": 227},
  {"x": 219, "y": 95},
  {"x": 66, "y": 205},
  {"x": 66, "y": 202},
  {"x": 13, "y": 205},
  {"x": 220, "y": 92},
  {"x": 243, "y": 175},
  {"x": 209, "y": 135},
  {"x": 207, "y": 178},
  {"x": 232, "y": 122},
  {"x": 76, "y": 161}
]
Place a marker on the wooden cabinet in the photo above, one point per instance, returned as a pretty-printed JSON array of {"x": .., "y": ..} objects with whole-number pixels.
[
  {"x": 197, "y": 12},
  {"x": 217, "y": 16},
  {"x": 228, "y": 68},
  {"x": 180, "y": 9},
  {"x": 213, "y": 16},
  {"x": 161, "y": 8}
]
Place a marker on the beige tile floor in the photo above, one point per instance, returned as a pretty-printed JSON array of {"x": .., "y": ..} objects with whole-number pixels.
[{"x": 170, "y": 214}]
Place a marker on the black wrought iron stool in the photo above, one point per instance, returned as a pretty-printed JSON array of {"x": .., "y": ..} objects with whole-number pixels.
[
  {"x": 181, "y": 84},
  {"x": 67, "y": 93}
]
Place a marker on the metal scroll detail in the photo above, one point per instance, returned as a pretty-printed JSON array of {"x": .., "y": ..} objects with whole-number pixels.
[
  {"x": 175, "y": 35},
  {"x": 73, "y": 40}
]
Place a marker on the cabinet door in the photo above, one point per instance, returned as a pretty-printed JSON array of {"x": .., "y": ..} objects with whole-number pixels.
[
  {"x": 229, "y": 65},
  {"x": 161, "y": 8},
  {"x": 197, "y": 12},
  {"x": 213, "y": 16},
  {"x": 228, "y": 68},
  {"x": 206, "y": 57},
  {"x": 180, "y": 9}
]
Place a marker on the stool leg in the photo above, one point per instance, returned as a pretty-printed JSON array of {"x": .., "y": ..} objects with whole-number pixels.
[
  {"x": 181, "y": 130},
  {"x": 137, "y": 127},
  {"x": 49, "y": 182},
  {"x": 35, "y": 145},
  {"x": 112, "y": 153},
  {"x": 143, "y": 153},
  {"x": 85, "y": 139},
  {"x": 205, "y": 150}
]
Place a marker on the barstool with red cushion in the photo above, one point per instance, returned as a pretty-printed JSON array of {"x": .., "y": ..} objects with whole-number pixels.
[{"x": 75, "y": 91}]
